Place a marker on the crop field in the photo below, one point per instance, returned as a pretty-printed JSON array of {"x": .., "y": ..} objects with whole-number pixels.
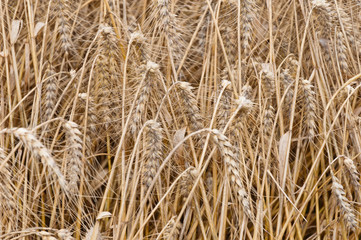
[{"x": 180, "y": 119}]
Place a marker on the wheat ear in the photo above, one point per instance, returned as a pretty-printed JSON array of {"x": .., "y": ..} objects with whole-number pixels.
[
  {"x": 268, "y": 82},
  {"x": 62, "y": 13},
  {"x": 287, "y": 81},
  {"x": 38, "y": 149},
  {"x": 232, "y": 165},
  {"x": 138, "y": 38},
  {"x": 268, "y": 120},
  {"x": 188, "y": 180},
  {"x": 89, "y": 233},
  {"x": 324, "y": 15},
  {"x": 353, "y": 174},
  {"x": 50, "y": 94},
  {"x": 92, "y": 117},
  {"x": 64, "y": 234},
  {"x": 153, "y": 151},
  {"x": 106, "y": 73},
  {"x": 248, "y": 13},
  {"x": 346, "y": 209},
  {"x": 309, "y": 97},
  {"x": 230, "y": 44},
  {"x": 75, "y": 149},
  {"x": 150, "y": 78},
  {"x": 341, "y": 51},
  {"x": 189, "y": 103},
  {"x": 225, "y": 105},
  {"x": 168, "y": 25},
  {"x": 6, "y": 196},
  {"x": 167, "y": 231}
]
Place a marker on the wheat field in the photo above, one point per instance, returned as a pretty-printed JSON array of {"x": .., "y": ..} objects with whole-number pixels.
[{"x": 180, "y": 119}]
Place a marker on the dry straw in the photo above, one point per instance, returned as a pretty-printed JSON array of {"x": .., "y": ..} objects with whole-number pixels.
[{"x": 269, "y": 81}]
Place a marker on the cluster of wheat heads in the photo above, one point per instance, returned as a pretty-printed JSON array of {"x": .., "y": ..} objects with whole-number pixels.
[{"x": 180, "y": 119}]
